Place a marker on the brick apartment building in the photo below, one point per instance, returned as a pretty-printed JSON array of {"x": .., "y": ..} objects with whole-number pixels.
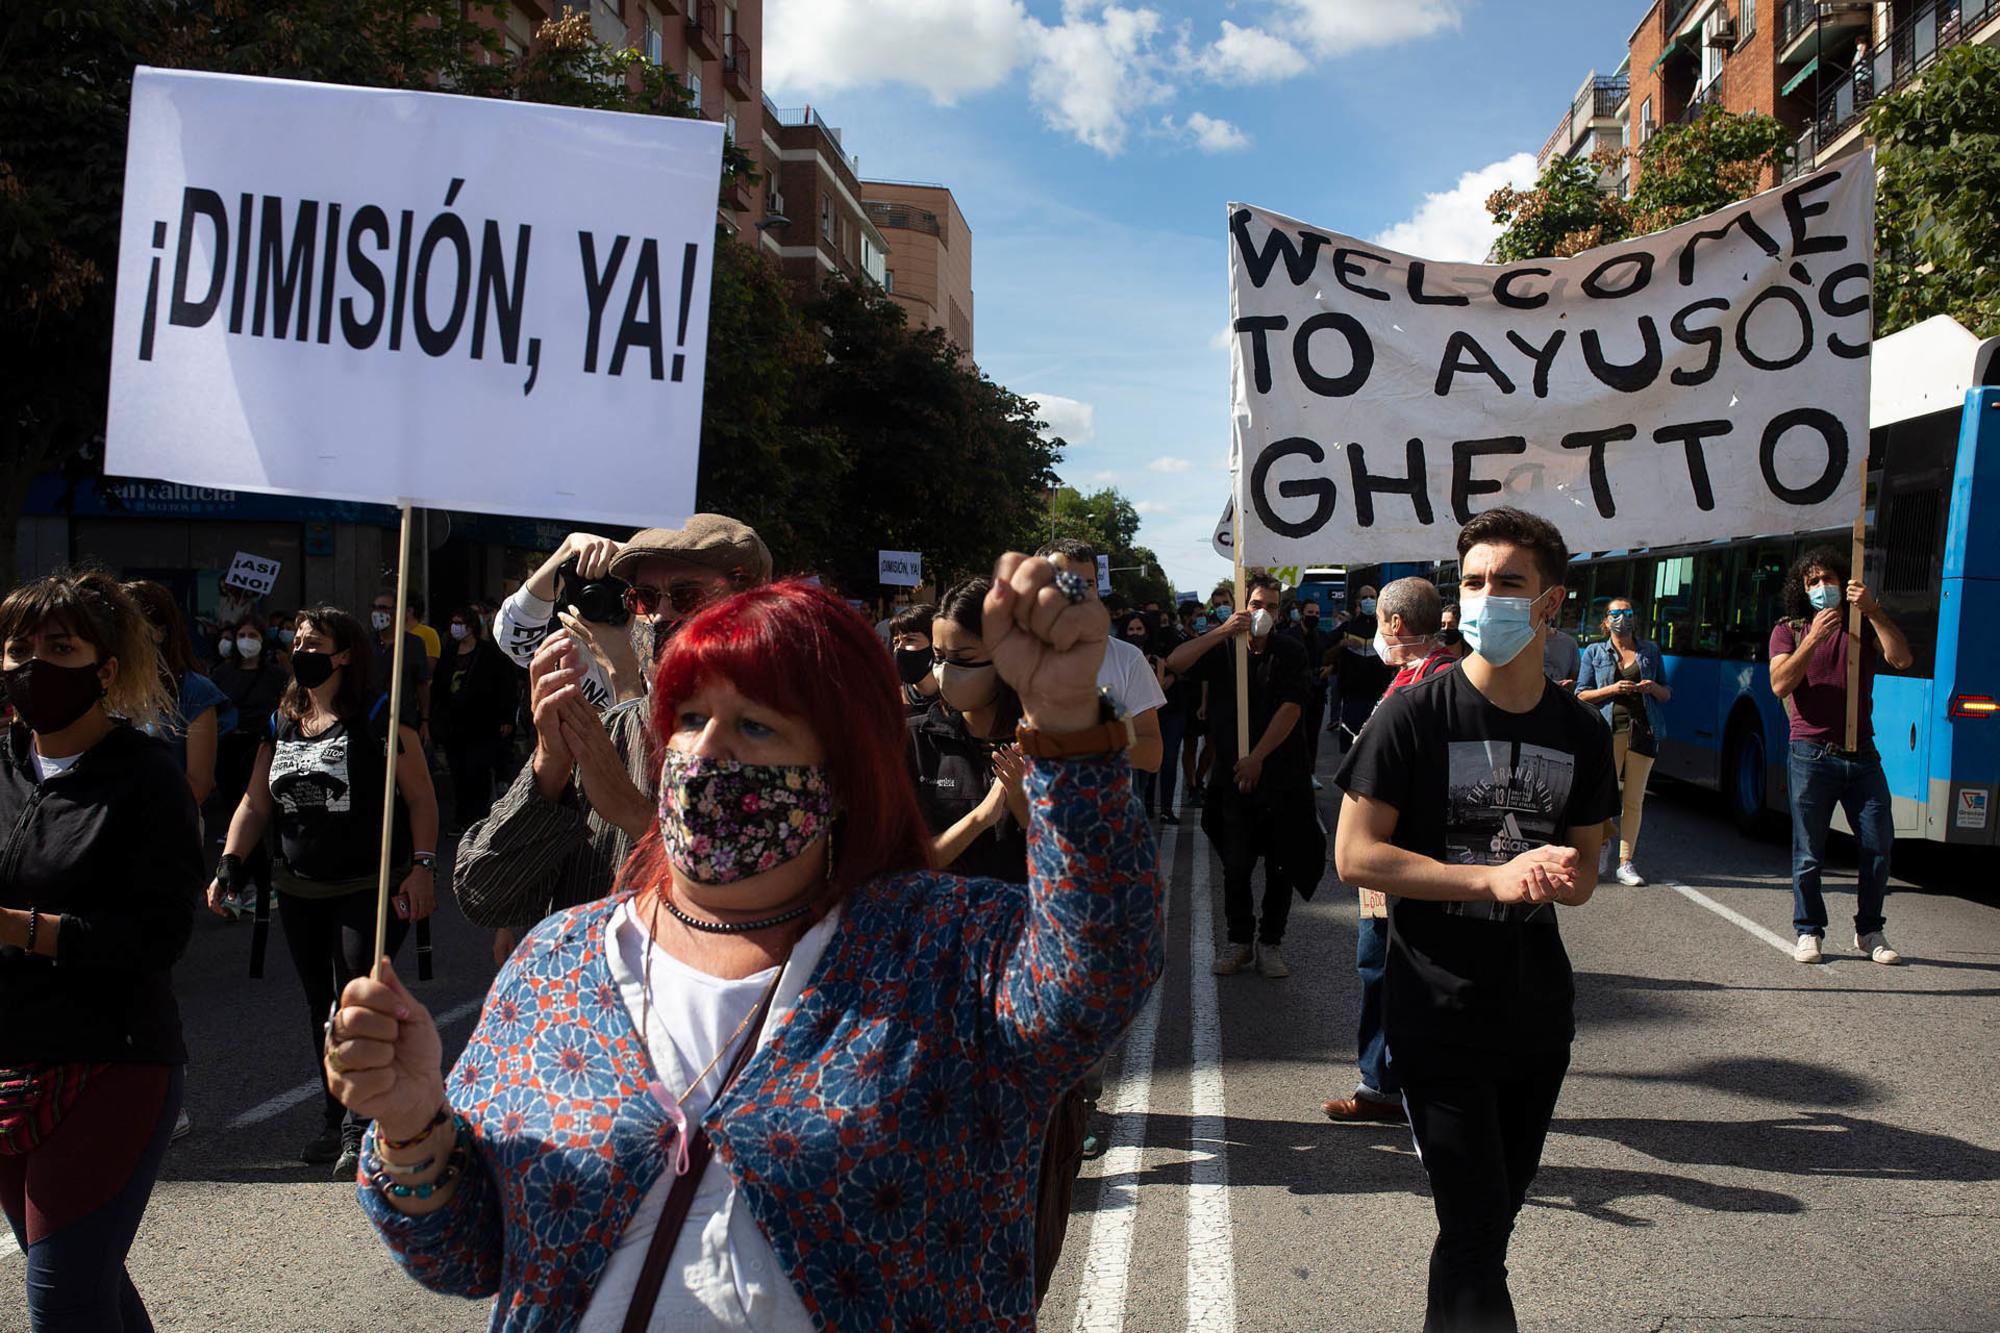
[
  {"x": 817, "y": 219},
  {"x": 1814, "y": 64},
  {"x": 930, "y": 258}
]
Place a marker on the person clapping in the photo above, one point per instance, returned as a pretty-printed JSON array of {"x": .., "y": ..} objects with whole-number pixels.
[{"x": 891, "y": 1109}]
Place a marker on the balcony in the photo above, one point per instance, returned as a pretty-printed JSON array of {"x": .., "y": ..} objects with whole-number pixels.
[
  {"x": 795, "y": 117},
  {"x": 902, "y": 217},
  {"x": 1599, "y": 100},
  {"x": 736, "y": 65},
  {"x": 704, "y": 32},
  {"x": 1712, "y": 94},
  {"x": 1911, "y": 48},
  {"x": 1811, "y": 28}
]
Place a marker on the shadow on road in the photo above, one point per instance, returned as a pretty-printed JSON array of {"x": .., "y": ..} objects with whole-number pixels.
[
  {"x": 1810, "y": 1143},
  {"x": 1603, "y": 982}
]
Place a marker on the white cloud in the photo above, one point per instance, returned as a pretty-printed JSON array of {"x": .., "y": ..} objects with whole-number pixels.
[
  {"x": 1250, "y": 55},
  {"x": 1207, "y": 133},
  {"x": 1454, "y": 224},
  {"x": 1075, "y": 422},
  {"x": 1340, "y": 27},
  {"x": 1170, "y": 465},
  {"x": 949, "y": 50},
  {"x": 1089, "y": 74},
  {"x": 1150, "y": 508}
]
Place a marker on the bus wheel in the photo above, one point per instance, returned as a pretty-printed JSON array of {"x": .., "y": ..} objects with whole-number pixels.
[{"x": 1743, "y": 779}]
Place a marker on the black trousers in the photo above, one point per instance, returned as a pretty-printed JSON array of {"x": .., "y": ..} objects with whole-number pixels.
[
  {"x": 1481, "y": 1143},
  {"x": 1245, "y": 829},
  {"x": 331, "y": 940},
  {"x": 474, "y": 768}
]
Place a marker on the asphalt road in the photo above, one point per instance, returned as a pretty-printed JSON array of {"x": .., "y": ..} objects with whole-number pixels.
[{"x": 1742, "y": 1143}]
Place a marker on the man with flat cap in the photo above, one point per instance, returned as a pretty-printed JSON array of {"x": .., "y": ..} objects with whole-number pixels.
[{"x": 565, "y": 826}]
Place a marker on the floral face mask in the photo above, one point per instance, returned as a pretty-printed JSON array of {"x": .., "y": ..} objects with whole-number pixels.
[{"x": 723, "y": 820}]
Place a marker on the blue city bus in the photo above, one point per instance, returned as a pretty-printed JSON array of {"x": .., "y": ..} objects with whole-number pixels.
[{"x": 1934, "y": 563}]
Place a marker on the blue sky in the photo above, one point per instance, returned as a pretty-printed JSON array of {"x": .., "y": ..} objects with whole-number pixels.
[{"x": 1093, "y": 148}]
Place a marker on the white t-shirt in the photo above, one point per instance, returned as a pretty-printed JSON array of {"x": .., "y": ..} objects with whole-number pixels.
[
  {"x": 46, "y": 767},
  {"x": 1130, "y": 678},
  {"x": 723, "y": 1273},
  {"x": 524, "y": 621}
]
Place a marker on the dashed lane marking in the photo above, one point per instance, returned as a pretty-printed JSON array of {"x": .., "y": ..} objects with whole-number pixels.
[
  {"x": 1734, "y": 917},
  {"x": 304, "y": 1092}
]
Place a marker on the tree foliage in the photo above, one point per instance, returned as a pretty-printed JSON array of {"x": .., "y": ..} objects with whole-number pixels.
[
  {"x": 1110, "y": 523},
  {"x": 1937, "y": 208},
  {"x": 1683, "y": 172}
]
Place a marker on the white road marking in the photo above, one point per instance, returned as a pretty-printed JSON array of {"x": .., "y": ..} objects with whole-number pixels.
[
  {"x": 305, "y": 1092},
  {"x": 1211, "y": 1262},
  {"x": 1107, "y": 1264},
  {"x": 1734, "y": 917}
]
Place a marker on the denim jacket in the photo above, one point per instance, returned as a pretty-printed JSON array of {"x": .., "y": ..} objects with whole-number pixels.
[{"x": 1600, "y": 668}]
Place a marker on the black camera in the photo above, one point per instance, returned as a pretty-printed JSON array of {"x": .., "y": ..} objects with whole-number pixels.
[{"x": 600, "y": 601}]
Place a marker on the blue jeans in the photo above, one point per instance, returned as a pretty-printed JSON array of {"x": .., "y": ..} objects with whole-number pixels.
[
  {"x": 1823, "y": 777},
  {"x": 1371, "y": 959}
]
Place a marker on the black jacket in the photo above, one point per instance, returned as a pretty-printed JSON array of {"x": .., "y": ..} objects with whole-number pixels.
[
  {"x": 954, "y": 771},
  {"x": 473, "y": 695},
  {"x": 113, "y": 847}
]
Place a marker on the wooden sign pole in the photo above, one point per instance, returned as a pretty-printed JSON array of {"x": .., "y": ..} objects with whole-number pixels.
[
  {"x": 1857, "y": 552},
  {"x": 395, "y": 707},
  {"x": 1242, "y": 650}
]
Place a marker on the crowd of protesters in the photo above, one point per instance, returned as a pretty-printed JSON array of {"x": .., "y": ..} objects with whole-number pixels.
[{"x": 679, "y": 789}]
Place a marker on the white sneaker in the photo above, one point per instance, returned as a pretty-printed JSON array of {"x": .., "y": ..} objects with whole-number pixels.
[
  {"x": 1271, "y": 962},
  {"x": 1807, "y": 950},
  {"x": 1233, "y": 958},
  {"x": 182, "y": 1127},
  {"x": 1877, "y": 948},
  {"x": 1629, "y": 876}
]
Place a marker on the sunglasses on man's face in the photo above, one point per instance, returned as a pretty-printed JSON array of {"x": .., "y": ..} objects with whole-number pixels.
[{"x": 685, "y": 598}]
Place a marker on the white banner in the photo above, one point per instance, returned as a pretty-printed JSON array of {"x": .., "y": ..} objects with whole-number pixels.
[
  {"x": 1708, "y": 381},
  {"x": 899, "y": 569},
  {"x": 402, "y": 296},
  {"x": 252, "y": 573},
  {"x": 1103, "y": 576}
]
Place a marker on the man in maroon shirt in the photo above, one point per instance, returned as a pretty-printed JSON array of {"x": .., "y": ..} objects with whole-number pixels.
[{"x": 1809, "y": 650}]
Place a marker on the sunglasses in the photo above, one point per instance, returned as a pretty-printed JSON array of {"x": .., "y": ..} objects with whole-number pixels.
[{"x": 685, "y": 598}]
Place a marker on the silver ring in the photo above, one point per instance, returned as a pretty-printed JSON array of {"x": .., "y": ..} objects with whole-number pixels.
[{"x": 1072, "y": 587}]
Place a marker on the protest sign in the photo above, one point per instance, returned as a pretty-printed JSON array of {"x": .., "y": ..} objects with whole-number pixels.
[
  {"x": 252, "y": 573},
  {"x": 1708, "y": 381},
  {"x": 1103, "y": 576},
  {"x": 899, "y": 569},
  {"x": 412, "y": 297}
]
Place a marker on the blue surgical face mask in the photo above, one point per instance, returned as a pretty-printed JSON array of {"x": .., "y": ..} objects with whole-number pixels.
[
  {"x": 1825, "y": 596},
  {"x": 1497, "y": 628}
]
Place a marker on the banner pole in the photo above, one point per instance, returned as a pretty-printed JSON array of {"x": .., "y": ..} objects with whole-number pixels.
[
  {"x": 1857, "y": 552},
  {"x": 395, "y": 705},
  {"x": 1241, "y": 647}
]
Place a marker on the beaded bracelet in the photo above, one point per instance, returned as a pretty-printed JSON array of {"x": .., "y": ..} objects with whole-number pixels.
[
  {"x": 381, "y": 1174},
  {"x": 400, "y": 1169},
  {"x": 454, "y": 1167}
]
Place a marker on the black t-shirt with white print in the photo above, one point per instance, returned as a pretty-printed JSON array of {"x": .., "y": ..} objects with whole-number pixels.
[{"x": 1470, "y": 986}]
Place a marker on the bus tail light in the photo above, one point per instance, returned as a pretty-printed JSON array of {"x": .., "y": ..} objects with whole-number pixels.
[{"x": 1973, "y": 705}]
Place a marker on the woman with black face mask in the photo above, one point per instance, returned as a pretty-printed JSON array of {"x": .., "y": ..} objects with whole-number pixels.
[
  {"x": 968, "y": 779},
  {"x": 318, "y": 778},
  {"x": 910, "y": 642},
  {"x": 254, "y": 680},
  {"x": 103, "y": 868}
]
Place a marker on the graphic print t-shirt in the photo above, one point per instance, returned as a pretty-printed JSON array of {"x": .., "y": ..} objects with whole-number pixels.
[
  {"x": 328, "y": 790},
  {"x": 1470, "y": 986}
]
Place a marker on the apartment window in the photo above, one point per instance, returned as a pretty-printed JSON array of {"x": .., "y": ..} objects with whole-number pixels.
[
  {"x": 1645, "y": 120},
  {"x": 826, "y": 216},
  {"x": 889, "y": 281},
  {"x": 654, "y": 50},
  {"x": 1748, "y": 23},
  {"x": 694, "y": 81},
  {"x": 729, "y": 126},
  {"x": 728, "y": 23},
  {"x": 1711, "y": 54}
]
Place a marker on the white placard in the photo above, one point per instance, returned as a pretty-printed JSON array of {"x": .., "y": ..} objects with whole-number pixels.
[
  {"x": 900, "y": 569},
  {"x": 1708, "y": 381},
  {"x": 1103, "y": 576},
  {"x": 394, "y": 296},
  {"x": 253, "y": 573}
]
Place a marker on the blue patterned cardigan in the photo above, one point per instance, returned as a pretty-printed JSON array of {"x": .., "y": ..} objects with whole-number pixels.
[{"x": 885, "y": 1135}]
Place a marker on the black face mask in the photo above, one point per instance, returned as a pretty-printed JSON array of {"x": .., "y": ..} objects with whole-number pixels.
[
  {"x": 1450, "y": 638},
  {"x": 913, "y": 664},
  {"x": 312, "y": 670},
  {"x": 48, "y": 696}
]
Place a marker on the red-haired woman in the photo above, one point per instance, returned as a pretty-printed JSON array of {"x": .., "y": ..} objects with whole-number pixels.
[{"x": 869, "y": 1048}]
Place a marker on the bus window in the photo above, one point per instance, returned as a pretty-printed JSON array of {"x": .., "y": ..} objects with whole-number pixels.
[
  {"x": 1712, "y": 577},
  {"x": 1673, "y": 604},
  {"x": 1906, "y": 550},
  {"x": 1754, "y": 599}
]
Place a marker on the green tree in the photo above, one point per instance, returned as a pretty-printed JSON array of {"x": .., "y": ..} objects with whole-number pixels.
[
  {"x": 1108, "y": 521},
  {"x": 1937, "y": 208},
  {"x": 1564, "y": 214},
  {"x": 1683, "y": 172}
]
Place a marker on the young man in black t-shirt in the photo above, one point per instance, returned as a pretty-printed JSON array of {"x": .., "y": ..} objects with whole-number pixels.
[
  {"x": 1261, "y": 804},
  {"x": 1476, "y": 800}
]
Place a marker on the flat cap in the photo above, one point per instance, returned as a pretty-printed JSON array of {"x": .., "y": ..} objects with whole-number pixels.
[{"x": 712, "y": 541}]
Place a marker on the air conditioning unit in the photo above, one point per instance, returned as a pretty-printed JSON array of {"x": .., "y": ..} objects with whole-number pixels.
[{"x": 1723, "y": 33}]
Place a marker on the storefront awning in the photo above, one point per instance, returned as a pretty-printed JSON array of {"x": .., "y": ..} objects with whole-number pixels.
[{"x": 1800, "y": 77}]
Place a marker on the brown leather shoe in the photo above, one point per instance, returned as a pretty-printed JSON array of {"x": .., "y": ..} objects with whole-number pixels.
[{"x": 1355, "y": 1110}]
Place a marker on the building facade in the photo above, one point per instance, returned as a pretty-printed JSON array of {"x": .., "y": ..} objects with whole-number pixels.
[
  {"x": 816, "y": 217},
  {"x": 930, "y": 258},
  {"x": 1595, "y": 122}
]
